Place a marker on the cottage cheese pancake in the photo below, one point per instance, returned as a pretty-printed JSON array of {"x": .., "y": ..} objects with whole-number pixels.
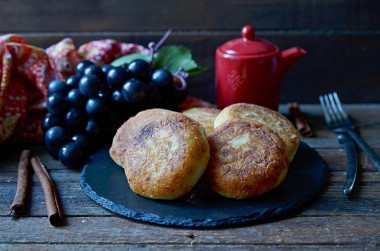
[
  {"x": 246, "y": 159},
  {"x": 281, "y": 125},
  {"x": 130, "y": 128},
  {"x": 204, "y": 116},
  {"x": 167, "y": 157}
]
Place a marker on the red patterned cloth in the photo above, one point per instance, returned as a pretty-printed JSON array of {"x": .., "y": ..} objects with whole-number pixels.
[
  {"x": 64, "y": 57},
  {"x": 105, "y": 51},
  {"x": 25, "y": 72}
]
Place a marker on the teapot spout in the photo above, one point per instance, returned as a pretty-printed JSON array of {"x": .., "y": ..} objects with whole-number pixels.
[{"x": 288, "y": 58}]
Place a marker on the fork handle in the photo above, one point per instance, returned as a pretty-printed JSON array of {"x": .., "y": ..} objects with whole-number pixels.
[{"x": 365, "y": 147}]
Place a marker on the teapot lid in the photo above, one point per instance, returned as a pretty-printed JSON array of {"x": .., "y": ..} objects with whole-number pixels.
[{"x": 248, "y": 45}]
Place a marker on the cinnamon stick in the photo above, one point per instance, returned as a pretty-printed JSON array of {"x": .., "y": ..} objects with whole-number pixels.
[
  {"x": 19, "y": 200},
  {"x": 300, "y": 121},
  {"x": 51, "y": 198}
]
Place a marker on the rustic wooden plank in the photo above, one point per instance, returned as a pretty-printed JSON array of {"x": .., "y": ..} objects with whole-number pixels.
[
  {"x": 365, "y": 116},
  {"x": 363, "y": 178},
  {"x": 365, "y": 200},
  {"x": 332, "y": 142},
  {"x": 137, "y": 15},
  {"x": 345, "y": 230},
  {"x": 10, "y": 154},
  {"x": 61, "y": 176},
  {"x": 72, "y": 199},
  {"x": 336, "y": 160},
  {"x": 221, "y": 247}
]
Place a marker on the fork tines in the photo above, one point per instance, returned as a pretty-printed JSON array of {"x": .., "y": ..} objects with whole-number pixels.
[{"x": 332, "y": 108}]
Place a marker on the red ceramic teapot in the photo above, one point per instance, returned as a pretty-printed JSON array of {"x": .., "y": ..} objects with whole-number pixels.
[{"x": 250, "y": 70}]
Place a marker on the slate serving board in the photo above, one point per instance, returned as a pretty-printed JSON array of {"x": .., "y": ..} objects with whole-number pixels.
[{"x": 105, "y": 183}]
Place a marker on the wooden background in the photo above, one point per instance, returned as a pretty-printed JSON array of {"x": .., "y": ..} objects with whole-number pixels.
[{"x": 342, "y": 37}]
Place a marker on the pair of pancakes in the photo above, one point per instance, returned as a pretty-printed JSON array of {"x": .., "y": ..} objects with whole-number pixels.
[{"x": 241, "y": 151}]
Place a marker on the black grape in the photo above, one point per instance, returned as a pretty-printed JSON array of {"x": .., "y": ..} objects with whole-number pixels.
[
  {"x": 57, "y": 104},
  {"x": 54, "y": 138},
  {"x": 96, "y": 107},
  {"x": 75, "y": 119},
  {"x": 117, "y": 76},
  {"x": 89, "y": 85},
  {"x": 95, "y": 70},
  {"x": 139, "y": 68},
  {"x": 49, "y": 121},
  {"x": 72, "y": 82},
  {"x": 71, "y": 155},
  {"x": 93, "y": 127},
  {"x": 106, "y": 68},
  {"x": 162, "y": 79},
  {"x": 134, "y": 91},
  {"x": 81, "y": 66},
  {"x": 76, "y": 99},
  {"x": 57, "y": 86}
]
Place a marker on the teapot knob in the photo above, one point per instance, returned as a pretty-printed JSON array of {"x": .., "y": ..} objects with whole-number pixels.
[{"x": 248, "y": 32}]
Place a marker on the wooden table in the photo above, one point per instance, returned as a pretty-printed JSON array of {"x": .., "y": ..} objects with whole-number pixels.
[{"x": 329, "y": 221}]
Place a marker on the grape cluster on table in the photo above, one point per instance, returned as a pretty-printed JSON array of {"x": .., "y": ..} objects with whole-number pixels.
[{"x": 86, "y": 109}]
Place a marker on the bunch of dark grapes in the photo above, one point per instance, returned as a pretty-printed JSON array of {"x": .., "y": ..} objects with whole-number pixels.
[{"x": 86, "y": 110}]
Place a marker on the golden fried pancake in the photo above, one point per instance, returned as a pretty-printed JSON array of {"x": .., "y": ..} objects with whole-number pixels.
[
  {"x": 130, "y": 128},
  {"x": 280, "y": 124},
  {"x": 246, "y": 159},
  {"x": 204, "y": 116},
  {"x": 167, "y": 157}
]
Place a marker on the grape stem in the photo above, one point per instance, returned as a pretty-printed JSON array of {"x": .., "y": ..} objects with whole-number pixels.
[
  {"x": 181, "y": 75},
  {"x": 153, "y": 47}
]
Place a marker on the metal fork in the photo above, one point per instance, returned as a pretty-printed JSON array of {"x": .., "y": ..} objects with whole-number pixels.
[{"x": 338, "y": 121}]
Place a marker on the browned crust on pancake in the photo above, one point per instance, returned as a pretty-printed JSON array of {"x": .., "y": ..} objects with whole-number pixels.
[
  {"x": 204, "y": 116},
  {"x": 130, "y": 128},
  {"x": 167, "y": 157},
  {"x": 280, "y": 124},
  {"x": 246, "y": 159}
]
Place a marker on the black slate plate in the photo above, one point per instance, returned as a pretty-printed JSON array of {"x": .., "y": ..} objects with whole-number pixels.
[{"x": 104, "y": 182}]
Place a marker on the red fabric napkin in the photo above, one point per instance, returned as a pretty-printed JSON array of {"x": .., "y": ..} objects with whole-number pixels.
[{"x": 25, "y": 72}]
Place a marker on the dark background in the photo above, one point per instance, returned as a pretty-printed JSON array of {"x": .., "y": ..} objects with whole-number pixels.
[{"x": 342, "y": 37}]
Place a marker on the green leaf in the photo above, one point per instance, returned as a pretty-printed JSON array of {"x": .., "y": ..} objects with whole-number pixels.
[
  {"x": 174, "y": 57},
  {"x": 169, "y": 57},
  {"x": 129, "y": 58},
  {"x": 197, "y": 71}
]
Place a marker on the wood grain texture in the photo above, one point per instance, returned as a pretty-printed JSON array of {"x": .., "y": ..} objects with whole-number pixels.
[
  {"x": 345, "y": 230},
  {"x": 135, "y": 15},
  {"x": 61, "y": 246}
]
